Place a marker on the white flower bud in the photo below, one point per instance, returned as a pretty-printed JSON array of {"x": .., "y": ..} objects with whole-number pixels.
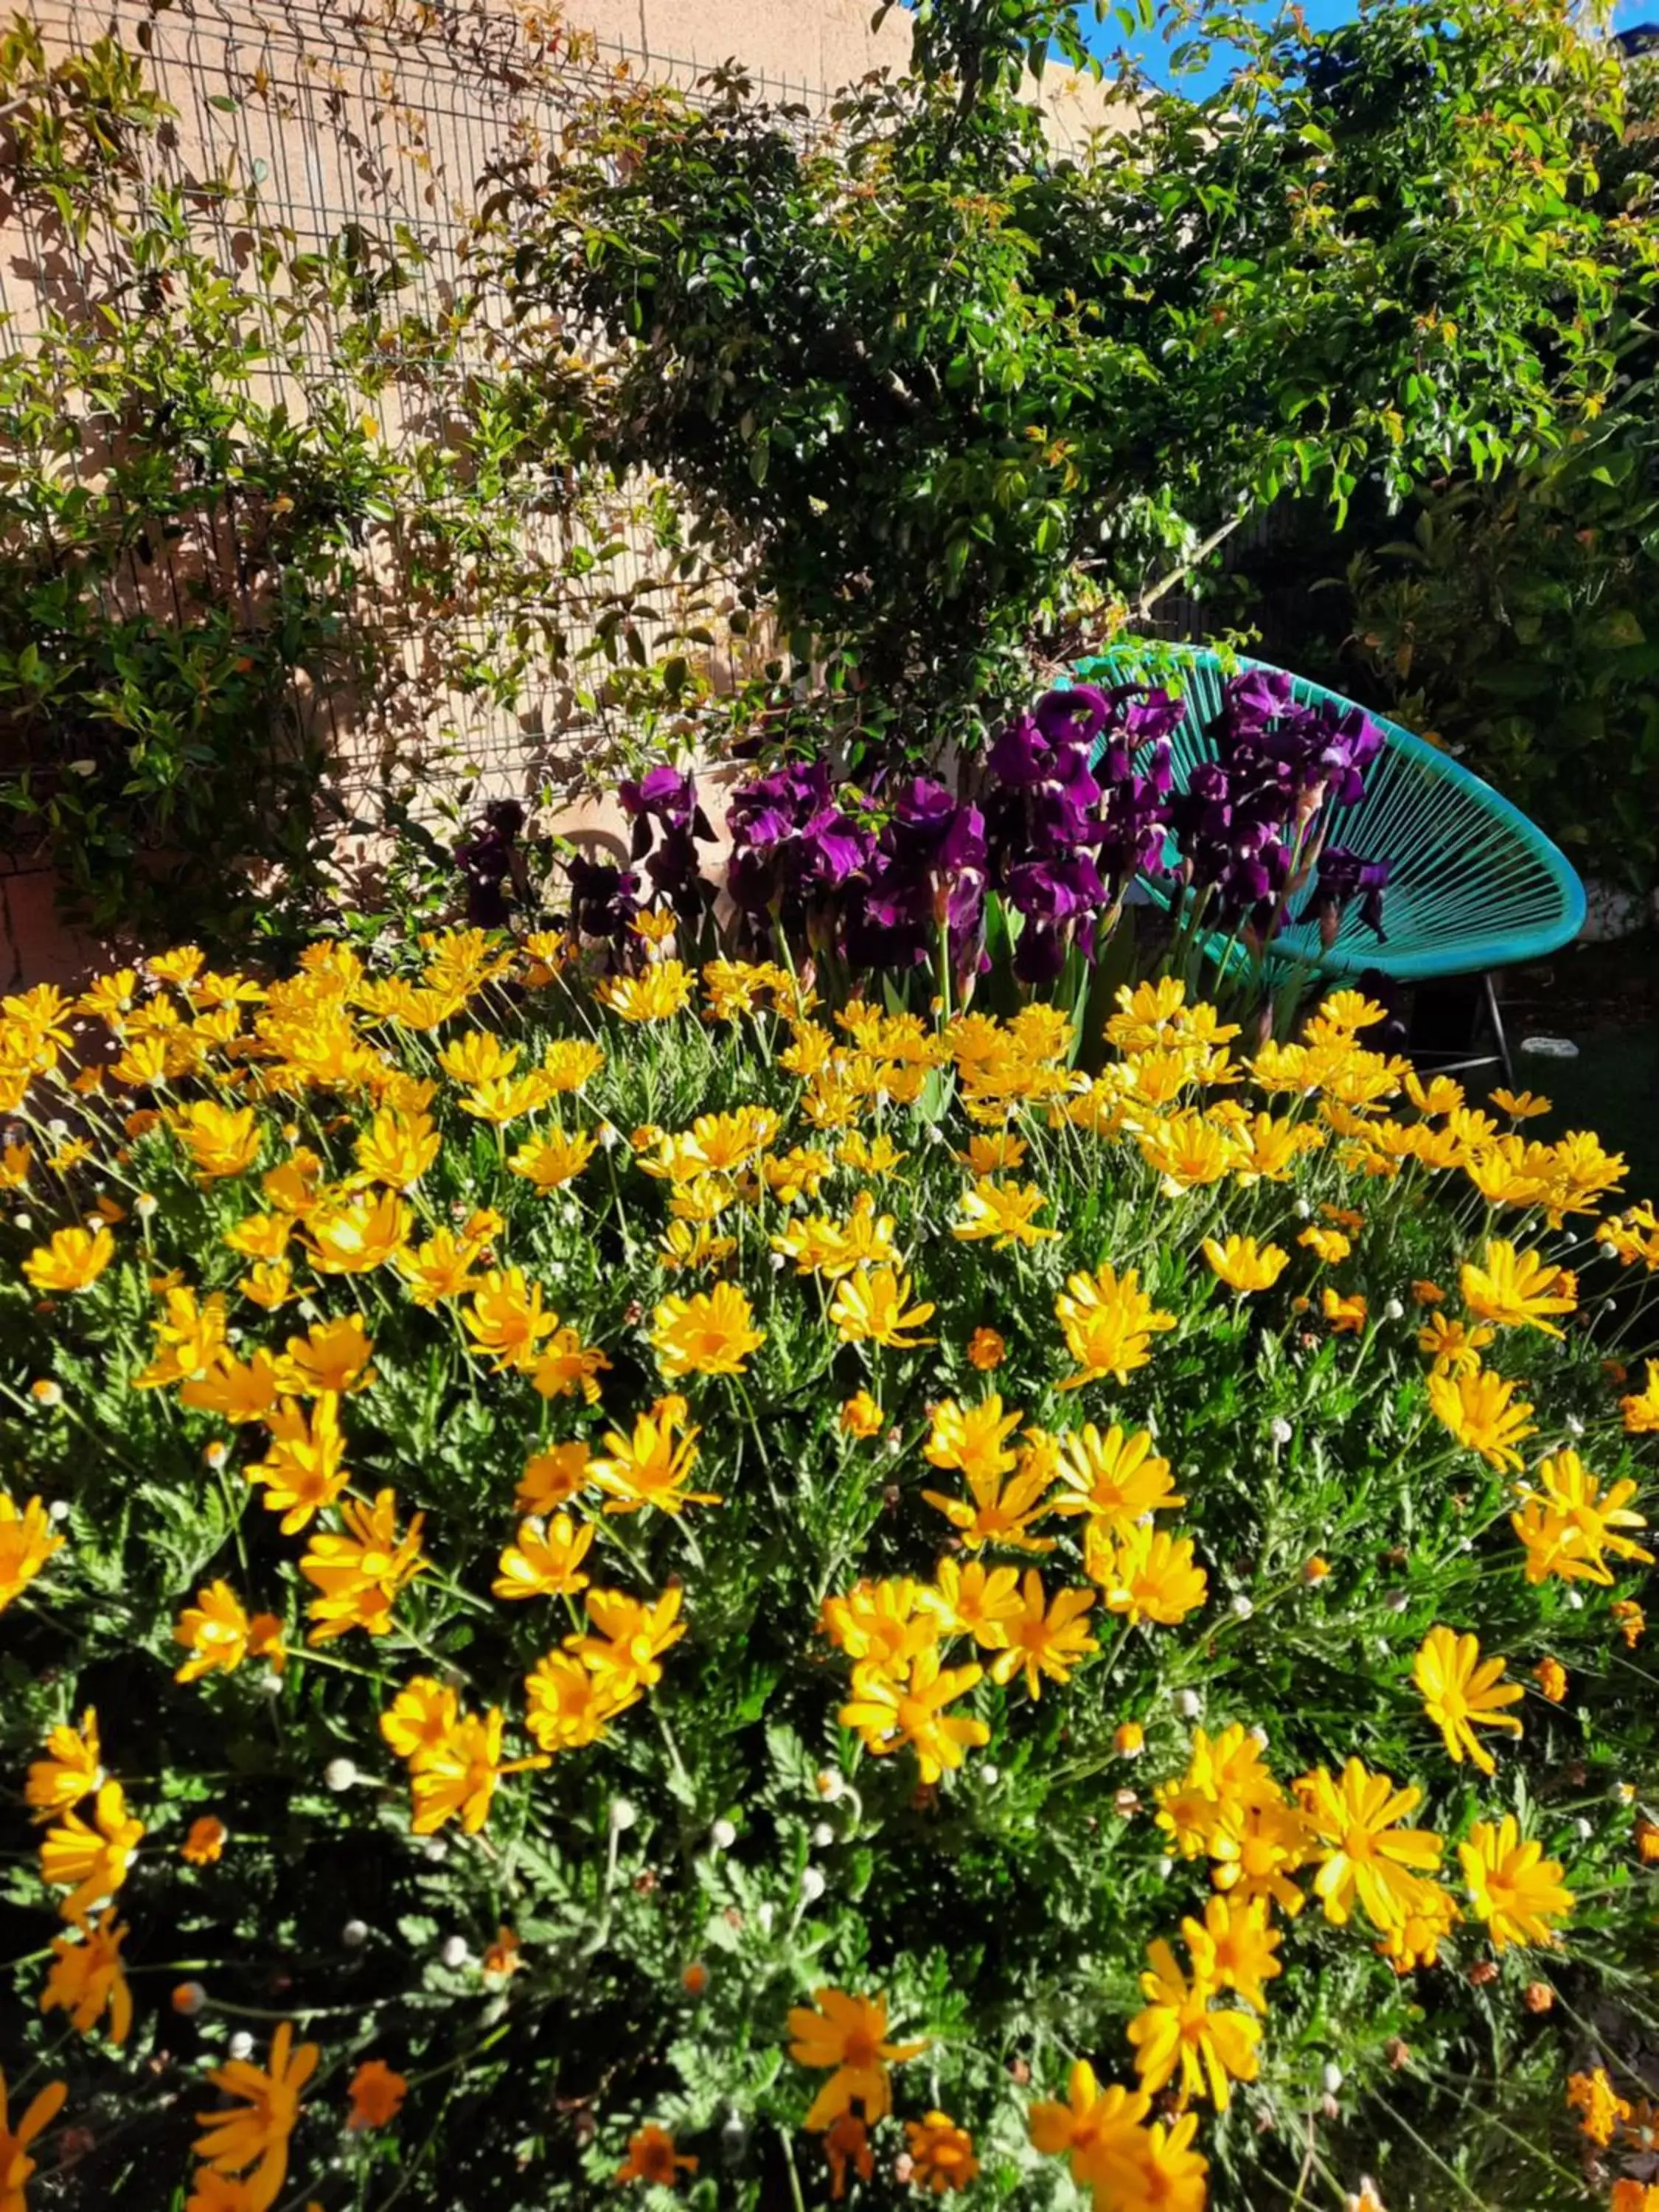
[
  {"x": 989, "y": 1775},
  {"x": 1241, "y": 1607},
  {"x": 1280, "y": 1430},
  {"x": 774, "y": 1261},
  {"x": 1331, "y": 2078},
  {"x": 831, "y": 1785},
  {"x": 1259, "y": 1736},
  {"x": 609, "y": 1135},
  {"x": 216, "y": 1454},
  {"x": 355, "y": 1934},
  {"x": 1303, "y": 1209},
  {"x": 241, "y": 2045},
  {"x": 1586, "y": 1828},
  {"x": 1399, "y": 1599},
  {"x": 144, "y": 1205},
  {"x": 452, "y": 1951},
  {"x": 340, "y": 1774},
  {"x": 1393, "y": 1310},
  {"x": 766, "y": 1914},
  {"x": 812, "y": 1886},
  {"x": 623, "y": 1814},
  {"x": 1576, "y": 1600},
  {"x": 59, "y": 1509},
  {"x": 823, "y": 1836},
  {"x": 22, "y": 1221},
  {"x": 59, "y": 1128},
  {"x": 1188, "y": 1704},
  {"x": 436, "y": 1849},
  {"x": 722, "y": 1835},
  {"x": 1164, "y": 1868}
]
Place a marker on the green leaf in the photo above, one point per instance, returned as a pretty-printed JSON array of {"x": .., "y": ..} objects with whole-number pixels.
[{"x": 1617, "y": 627}]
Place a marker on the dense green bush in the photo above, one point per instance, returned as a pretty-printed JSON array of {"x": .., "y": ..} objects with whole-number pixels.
[
  {"x": 236, "y": 475},
  {"x": 1512, "y": 612},
  {"x": 1518, "y": 623},
  {"x": 951, "y": 397}
]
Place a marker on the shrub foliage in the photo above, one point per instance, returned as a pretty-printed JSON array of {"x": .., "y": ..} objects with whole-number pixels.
[{"x": 948, "y": 392}]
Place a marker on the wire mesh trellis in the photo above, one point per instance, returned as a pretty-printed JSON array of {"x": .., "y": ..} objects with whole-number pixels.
[
  {"x": 374, "y": 120},
  {"x": 378, "y": 118}
]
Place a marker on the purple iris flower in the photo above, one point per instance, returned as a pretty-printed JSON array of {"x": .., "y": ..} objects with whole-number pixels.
[
  {"x": 668, "y": 794},
  {"x": 1203, "y": 811},
  {"x": 604, "y": 899},
  {"x": 1251, "y": 701},
  {"x": 1075, "y": 715},
  {"x": 1350, "y": 743},
  {"x": 1049, "y": 748},
  {"x": 937, "y": 842},
  {"x": 889, "y": 918},
  {"x": 1021, "y": 754},
  {"x": 1145, "y": 715},
  {"x": 668, "y": 823},
  {"x": 1040, "y": 954},
  {"x": 930, "y": 822},
  {"x": 1071, "y": 813},
  {"x": 1343, "y": 877},
  {"x": 790, "y": 840},
  {"x": 1135, "y": 821},
  {"x": 1055, "y": 890},
  {"x": 488, "y": 859}
]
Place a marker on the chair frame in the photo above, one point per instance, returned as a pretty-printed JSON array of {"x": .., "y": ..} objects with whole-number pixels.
[{"x": 1467, "y": 957}]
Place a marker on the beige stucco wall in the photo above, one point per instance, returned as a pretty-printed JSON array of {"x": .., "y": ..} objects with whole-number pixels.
[{"x": 817, "y": 43}]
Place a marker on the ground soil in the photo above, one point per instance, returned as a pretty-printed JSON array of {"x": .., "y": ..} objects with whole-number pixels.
[
  {"x": 1586, "y": 989},
  {"x": 1605, "y": 998}
]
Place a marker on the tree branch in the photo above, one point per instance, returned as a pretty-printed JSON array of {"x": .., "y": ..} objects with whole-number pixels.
[
  {"x": 888, "y": 379},
  {"x": 1149, "y": 598}
]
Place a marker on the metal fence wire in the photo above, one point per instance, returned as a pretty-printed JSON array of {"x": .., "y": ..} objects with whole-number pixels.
[{"x": 377, "y": 120}]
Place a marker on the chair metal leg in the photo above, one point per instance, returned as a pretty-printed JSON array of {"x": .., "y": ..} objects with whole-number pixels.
[
  {"x": 1448, "y": 1059},
  {"x": 1494, "y": 1014}
]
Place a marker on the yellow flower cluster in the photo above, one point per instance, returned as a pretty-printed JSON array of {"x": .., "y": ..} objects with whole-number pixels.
[
  {"x": 336, "y": 1104},
  {"x": 1229, "y": 1807}
]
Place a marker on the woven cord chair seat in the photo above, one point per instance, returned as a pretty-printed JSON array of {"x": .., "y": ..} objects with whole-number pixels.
[{"x": 1474, "y": 885}]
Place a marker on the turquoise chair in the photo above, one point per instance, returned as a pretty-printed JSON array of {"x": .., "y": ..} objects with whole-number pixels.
[{"x": 1474, "y": 885}]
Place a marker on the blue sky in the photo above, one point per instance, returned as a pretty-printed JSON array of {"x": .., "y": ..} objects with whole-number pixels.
[{"x": 1321, "y": 14}]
